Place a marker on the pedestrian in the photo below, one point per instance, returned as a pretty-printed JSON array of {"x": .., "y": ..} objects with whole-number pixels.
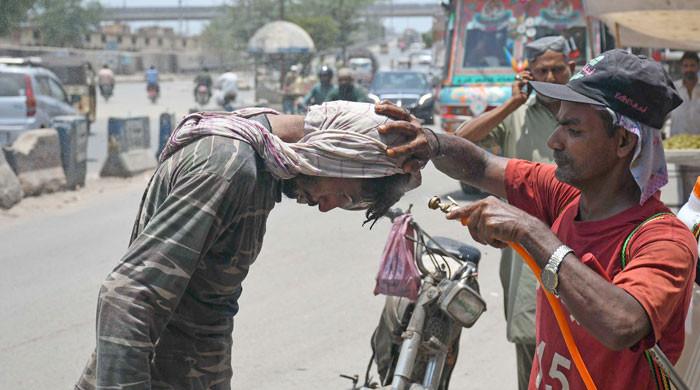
[
  {"x": 347, "y": 89},
  {"x": 165, "y": 313},
  {"x": 686, "y": 118},
  {"x": 521, "y": 127},
  {"x": 289, "y": 89},
  {"x": 620, "y": 263}
]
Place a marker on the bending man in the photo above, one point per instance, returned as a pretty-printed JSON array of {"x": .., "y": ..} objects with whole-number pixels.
[{"x": 165, "y": 313}]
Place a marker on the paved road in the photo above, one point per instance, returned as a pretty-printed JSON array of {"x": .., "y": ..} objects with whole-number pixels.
[
  {"x": 130, "y": 100},
  {"x": 307, "y": 312}
]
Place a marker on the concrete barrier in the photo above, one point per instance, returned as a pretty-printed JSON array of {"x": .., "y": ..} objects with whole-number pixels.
[
  {"x": 7, "y": 137},
  {"x": 10, "y": 189},
  {"x": 73, "y": 136},
  {"x": 166, "y": 124},
  {"x": 36, "y": 159},
  {"x": 128, "y": 149}
]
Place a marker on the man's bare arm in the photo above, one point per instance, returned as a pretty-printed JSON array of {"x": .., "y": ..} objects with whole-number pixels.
[
  {"x": 478, "y": 128},
  {"x": 454, "y": 156},
  {"x": 608, "y": 312},
  {"x": 290, "y": 128},
  {"x": 467, "y": 162}
]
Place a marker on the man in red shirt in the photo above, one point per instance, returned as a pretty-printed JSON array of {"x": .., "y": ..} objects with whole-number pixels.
[{"x": 622, "y": 290}]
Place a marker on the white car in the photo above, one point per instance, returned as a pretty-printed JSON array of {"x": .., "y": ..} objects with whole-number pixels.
[{"x": 29, "y": 97}]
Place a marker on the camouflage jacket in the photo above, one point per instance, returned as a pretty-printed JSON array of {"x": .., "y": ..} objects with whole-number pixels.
[{"x": 165, "y": 313}]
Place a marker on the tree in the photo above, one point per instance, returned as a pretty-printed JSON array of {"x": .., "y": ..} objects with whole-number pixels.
[
  {"x": 427, "y": 39},
  {"x": 218, "y": 37},
  {"x": 345, "y": 14},
  {"x": 66, "y": 22},
  {"x": 329, "y": 23},
  {"x": 12, "y": 13},
  {"x": 322, "y": 29}
]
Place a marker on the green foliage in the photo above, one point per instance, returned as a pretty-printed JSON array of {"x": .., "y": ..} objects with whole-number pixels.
[
  {"x": 12, "y": 12},
  {"x": 329, "y": 23},
  {"x": 322, "y": 29},
  {"x": 66, "y": 22},
  {"x": 427, "y": 39}
]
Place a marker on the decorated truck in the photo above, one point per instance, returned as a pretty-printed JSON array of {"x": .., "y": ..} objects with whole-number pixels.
[{"x": 485, "y": 42}]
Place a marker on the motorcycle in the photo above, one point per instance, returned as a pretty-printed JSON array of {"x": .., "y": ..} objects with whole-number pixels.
[
  {"x": 106, "y": 91},
  {"x": 416, "y": 344},
  {"x": 152, "y": 92},
  {"x": 202, "y": 95},
  {"x": 225, "y": 100}
]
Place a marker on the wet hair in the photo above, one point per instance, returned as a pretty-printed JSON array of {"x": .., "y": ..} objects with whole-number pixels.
[
  {"x": 690, "y": 55},
  {"x": 381, "y": 193}
]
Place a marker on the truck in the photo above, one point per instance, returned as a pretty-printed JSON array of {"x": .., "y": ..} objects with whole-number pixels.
[{"x": 485, "y": 40}]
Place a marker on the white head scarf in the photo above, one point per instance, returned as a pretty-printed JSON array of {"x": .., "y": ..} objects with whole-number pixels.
[
  {"x": 648, "y": 164},
  {"x": 341, "y": 140}
]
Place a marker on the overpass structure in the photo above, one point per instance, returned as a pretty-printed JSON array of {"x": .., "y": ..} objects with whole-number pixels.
[{"x": 128, "y": 14}]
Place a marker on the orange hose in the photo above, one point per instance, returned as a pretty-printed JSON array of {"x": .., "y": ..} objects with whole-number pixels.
[
  {"x": 561, "y": 319},
  {"x": 558, "y": 314}
]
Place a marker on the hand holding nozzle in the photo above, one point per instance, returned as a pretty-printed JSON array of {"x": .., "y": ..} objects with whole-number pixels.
[{"x": 435, "y": 203}]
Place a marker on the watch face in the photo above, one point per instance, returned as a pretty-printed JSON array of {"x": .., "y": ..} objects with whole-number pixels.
[{"x": 549, "y": 279}]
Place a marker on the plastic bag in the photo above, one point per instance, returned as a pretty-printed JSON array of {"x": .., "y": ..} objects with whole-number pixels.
[{"x": 398, "y": 274}]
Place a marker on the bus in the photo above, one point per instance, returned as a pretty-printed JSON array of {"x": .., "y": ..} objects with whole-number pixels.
[{"x": 484, "y": 49}]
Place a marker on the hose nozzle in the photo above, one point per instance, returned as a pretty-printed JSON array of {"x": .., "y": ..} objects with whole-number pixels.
[{"x": 435, "y": 203}]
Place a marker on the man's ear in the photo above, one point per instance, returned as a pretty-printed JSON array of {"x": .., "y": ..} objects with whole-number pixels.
[
  {"x": 627, "y": 142},
  {"x": 572, "y": 66}
]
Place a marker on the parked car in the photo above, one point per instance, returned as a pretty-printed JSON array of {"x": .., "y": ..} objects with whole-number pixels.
[
  {"x": 409, "y": 89},
  {"x": 29, "y": 97}
]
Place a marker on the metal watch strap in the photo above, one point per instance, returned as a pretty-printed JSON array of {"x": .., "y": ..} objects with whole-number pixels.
[{"x": 554, "y": 263}]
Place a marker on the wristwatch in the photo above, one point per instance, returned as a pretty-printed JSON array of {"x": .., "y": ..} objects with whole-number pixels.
[{"x": 550, "y": 272}]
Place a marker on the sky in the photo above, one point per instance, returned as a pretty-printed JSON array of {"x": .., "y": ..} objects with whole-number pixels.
[{"x": 194, "y": 27}]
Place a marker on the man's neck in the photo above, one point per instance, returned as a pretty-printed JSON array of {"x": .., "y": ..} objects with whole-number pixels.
[
  {"x": 690, "y": 85},
  {"x": 290, "y": 128},
  {"x": 553, "y": 107},
  {"x": 608, "y": 197}
]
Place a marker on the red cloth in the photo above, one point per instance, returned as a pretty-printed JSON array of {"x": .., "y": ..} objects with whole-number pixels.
[{"x": 659, "y": 274}]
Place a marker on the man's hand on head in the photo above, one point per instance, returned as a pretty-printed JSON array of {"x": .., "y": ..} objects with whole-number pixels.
[
  {"x": 519, "y": 88},
  {"x": 421, "y": 145}
]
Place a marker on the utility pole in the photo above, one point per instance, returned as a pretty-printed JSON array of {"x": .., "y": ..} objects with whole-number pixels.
[
  {"x": 179, "y": 15},
  {"x": 343, "y": 33}
]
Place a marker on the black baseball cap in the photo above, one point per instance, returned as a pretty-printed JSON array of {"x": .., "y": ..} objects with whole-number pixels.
[{"x": 631, "y": 85}]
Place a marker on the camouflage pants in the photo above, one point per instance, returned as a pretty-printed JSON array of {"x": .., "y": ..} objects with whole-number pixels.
[{"x": 183, "y": 360}]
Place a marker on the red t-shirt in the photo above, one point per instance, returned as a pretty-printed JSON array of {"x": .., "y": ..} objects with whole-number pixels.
[{"x": 659, "y": 274}]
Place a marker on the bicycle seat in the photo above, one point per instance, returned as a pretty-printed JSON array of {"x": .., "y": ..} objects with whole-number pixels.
[{"x": 455, "y": 248}]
